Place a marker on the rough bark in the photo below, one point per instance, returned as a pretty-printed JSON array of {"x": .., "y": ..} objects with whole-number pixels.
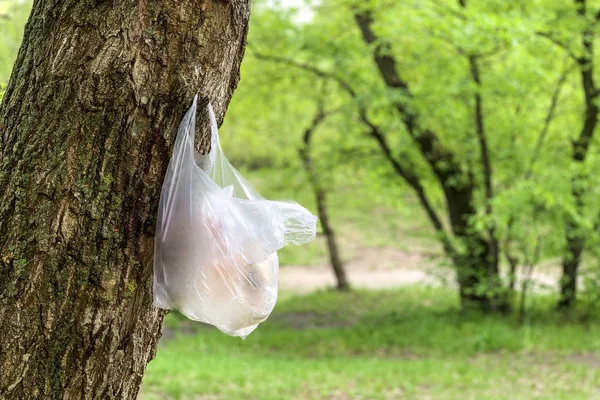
[
  {"x": 86, "y": 127},
  {"x": 321, "y": 200}
]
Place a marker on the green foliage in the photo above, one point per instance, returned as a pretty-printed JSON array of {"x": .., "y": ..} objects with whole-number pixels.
[
  {"x": 521, "y": 71},
  {"x": 412, "y": 343},
  {"x": 13, "y": 15}
]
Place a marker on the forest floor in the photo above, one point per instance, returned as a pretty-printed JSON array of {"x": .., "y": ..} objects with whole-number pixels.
[
  {"x": 405, "y": 343},
  {"x": 389, "y": 267},
  {"x": 399, "y": 334}
]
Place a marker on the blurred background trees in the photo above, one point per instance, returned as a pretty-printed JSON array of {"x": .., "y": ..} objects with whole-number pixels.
[
  {"x": 485, "y": 112},
  {"x": 482, "y": 113}
]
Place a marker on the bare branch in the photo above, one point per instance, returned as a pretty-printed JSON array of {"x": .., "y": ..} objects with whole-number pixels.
[
  {"x": 548, "y": 120},
  {"x": 319, "y": 117},
  {"x": 560, "y": 44},
  {"x": 314, "y": 70}
]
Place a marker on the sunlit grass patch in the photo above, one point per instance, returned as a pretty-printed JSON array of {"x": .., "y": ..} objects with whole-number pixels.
[{"x": 409, "y": 343}]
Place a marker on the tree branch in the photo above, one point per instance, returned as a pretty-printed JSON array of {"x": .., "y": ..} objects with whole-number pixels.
[
  {"x": 307, "y": 67},
  {"x": 321, "y": 198},
  {"x": 586, "y": 64},
  {"x": 547, "y": 121},
  {"x": 480, "y": 127},
  {"x": 560, "y": 44},
  {"x": 375, "y": 132},
  {"x": 450, "y": 10},
  {"x": 480, "y": 130},
  {"x": 484, "y": 151},
  {"x": 441, "y": 159},
  {"x": 451, "y": 42},
  {"x": 512, "y": 259},
  {"x": 415, "y": 183}
]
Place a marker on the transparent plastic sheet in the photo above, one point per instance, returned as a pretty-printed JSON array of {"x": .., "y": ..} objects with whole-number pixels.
[{"x": 215, "y": 254}]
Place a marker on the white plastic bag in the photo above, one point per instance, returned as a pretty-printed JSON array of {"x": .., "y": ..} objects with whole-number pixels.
[{"x": 215, "y": 253}]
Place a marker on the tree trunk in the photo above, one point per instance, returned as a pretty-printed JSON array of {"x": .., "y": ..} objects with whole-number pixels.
[
  {"x": 570, "y": 267},
  {"x": 574, "y": 237},
  {"x": 477, "y": 266},
  {"x": 334, "y": 257},
  {"x": 321, "y": 199},
  {"x": 86, "y": 128}
]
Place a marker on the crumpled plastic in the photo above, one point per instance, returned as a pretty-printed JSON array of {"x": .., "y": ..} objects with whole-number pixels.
[{"x": 215, "y": 252}]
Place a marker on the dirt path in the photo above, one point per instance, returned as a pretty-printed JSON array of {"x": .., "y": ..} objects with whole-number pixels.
[{"x": 380, "y": 268}]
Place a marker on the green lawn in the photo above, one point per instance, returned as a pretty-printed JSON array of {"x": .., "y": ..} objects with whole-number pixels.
[{"x": 410, "y": 343}]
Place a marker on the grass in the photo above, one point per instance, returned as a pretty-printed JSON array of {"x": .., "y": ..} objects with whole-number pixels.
[{"x": 410, "y": 343}]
